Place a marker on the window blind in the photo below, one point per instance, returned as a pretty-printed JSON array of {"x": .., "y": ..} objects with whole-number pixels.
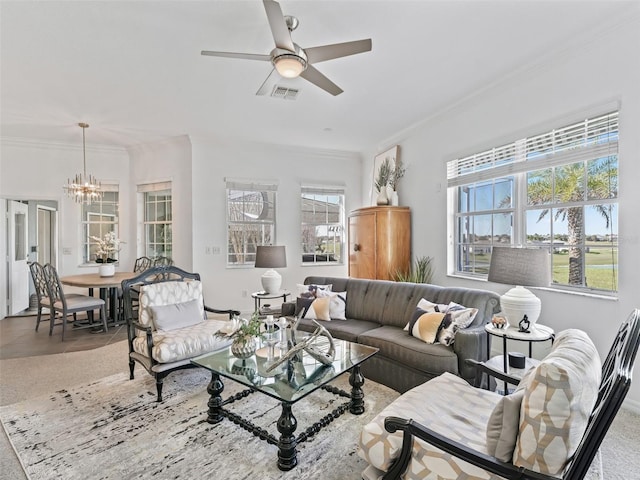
[
  {"x": 590, "y": 139},
  {"x": 154, "y": 187},
  {"x": 252, "y": 185},
  {"x": 322, "y": 190}
]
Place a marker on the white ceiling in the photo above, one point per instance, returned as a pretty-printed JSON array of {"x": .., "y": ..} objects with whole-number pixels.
[{"x": 133, "y": 69}]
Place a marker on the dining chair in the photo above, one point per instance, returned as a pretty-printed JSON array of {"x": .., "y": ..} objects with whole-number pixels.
[
  {"x": 40, "y": 284},
  {"x": 159, "y": 261},
  {"x": 142, "y": 264},
  {"x": 70, "y": 303}
]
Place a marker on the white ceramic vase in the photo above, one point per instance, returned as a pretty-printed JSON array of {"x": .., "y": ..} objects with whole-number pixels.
[
  {"x": 107, "y": 270},
  {"x": 382, "y": 198},
  {"x": 394, "y": 198}
]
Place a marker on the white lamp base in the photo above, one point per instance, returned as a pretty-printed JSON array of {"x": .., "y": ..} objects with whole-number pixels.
[
  {"x": 517, "y": 303},
  {"x": 271, "y": 281}
]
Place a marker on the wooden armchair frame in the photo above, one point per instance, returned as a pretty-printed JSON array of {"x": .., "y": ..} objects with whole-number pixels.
[
  {"x": 616, "y": 380},
  {"x": 131, "y": 292}
]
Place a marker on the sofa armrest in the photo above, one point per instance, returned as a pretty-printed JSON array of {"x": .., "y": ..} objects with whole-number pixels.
[{"x": 471, "y": 343}]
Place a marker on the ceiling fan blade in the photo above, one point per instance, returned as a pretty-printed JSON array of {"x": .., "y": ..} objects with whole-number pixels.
[
  {"x": 278, "y": 25},
  {"x": 267, "y": 84},
  {"x": 312, "y": 75},
  {"x": 337, "y": 50},
  {"x": 246, "y": 56}
]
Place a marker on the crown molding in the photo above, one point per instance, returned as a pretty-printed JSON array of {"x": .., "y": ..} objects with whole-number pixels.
[
  {"x": 47, "y": 144},
  {"x": 579, "y": 44}
]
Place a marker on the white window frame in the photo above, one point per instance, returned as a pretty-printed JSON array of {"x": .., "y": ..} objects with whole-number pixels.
[
  {"x": 105, "y": 222},
  {"x": 334, "y": 229},
  {"x": 144, "y": 191},
  {"x": 592, "y": 139},
  {"x": 251, "y": 219}
]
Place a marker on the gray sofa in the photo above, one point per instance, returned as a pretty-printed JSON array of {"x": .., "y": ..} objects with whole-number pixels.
[{"x": 377, "y": 312}]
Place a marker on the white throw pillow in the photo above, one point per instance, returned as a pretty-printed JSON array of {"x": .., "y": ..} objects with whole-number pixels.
[{"x": 176, "y": 315}]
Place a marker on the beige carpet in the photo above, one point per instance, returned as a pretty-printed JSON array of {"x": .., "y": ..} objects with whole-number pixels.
[{"x": 30, "y": 377}]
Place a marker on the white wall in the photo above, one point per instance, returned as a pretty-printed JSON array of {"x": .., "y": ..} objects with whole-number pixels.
[
  {"x": 33, "y": 170},
  {"x": 168, "y": 160},
  {"x": 543, "y": 97},
  {"x": 215, "y": 159}
]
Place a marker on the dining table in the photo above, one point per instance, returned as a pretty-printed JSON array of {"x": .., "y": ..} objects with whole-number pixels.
[{"x": 108, "y": 287}]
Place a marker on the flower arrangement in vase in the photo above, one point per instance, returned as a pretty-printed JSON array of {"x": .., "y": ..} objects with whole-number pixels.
[
  {"x": 107, "y": 247},
  {"x": 397, "y": 172},
  {"x": 244, "y": 333},
  {"x": 382, "y": 181}
]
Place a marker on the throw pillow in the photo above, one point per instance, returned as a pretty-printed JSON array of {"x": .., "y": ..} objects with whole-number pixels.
[
  {"x": 337, "y": 305},
  {"x": 425, "y": 325},
  {"x": 314, "y": 308},
  {"x": 502, "y": 427},
  {"x": 428, "y": 306},
  {"x": 559, "y": 395},
  {"x": 460, "y": 315},
  {"x": 176, "y": 315},
  {"x": 311, "y": 291}
]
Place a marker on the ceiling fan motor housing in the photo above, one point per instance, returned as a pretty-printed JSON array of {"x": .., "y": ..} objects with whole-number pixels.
[{"x": 286, "y": 61}]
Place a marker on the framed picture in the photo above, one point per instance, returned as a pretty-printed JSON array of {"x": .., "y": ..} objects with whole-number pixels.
[{"x": 378, "y": 160}]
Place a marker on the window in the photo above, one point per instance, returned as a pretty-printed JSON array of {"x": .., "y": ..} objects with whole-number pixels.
[
  {"x": 322, "y": 224},
  {"x": 251, "y": 219},
  {"x": 557, "y": 190},
  {"x": 157, "y": 219},
  {"x": 98, "y": 219}
]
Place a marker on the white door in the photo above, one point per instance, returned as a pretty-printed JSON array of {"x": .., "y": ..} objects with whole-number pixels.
[{"x": 17, "y": 250}]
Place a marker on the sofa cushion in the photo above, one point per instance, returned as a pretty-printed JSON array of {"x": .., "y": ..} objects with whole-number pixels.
[
  {"x": 311, "y": 291},
  {"x": 393, "y": 342},
  {"x": 183, "y": 343},
  {"x": 559, "y": 395},
  {"x": 349, "y": 330},
  {"x": 176, "y": 315},
  {"x": 446, "y": 404}
]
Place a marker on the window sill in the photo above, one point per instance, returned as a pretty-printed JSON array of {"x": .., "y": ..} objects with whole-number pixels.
[{"x": 599, "y": 296}]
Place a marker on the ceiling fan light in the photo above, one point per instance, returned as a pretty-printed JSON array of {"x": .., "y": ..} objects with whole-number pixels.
[{"x": 290, "y": 66}]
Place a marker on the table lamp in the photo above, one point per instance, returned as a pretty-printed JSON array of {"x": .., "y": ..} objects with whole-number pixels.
[
  {"x": 271, "y": 256},
  {"x": 523, "y": 267}
]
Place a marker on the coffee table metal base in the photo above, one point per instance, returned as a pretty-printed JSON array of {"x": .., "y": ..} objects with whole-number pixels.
[{"x": 287, "y": 423}]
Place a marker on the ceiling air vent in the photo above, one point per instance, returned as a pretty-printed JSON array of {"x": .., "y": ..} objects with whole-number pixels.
[{"x": 284, "y": 92}]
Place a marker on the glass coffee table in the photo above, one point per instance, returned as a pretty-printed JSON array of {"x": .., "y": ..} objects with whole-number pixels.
[{"x": 288, "y": 383}]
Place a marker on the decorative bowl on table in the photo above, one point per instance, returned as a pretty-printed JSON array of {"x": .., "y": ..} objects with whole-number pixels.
[{"x": 499, "y": 322}]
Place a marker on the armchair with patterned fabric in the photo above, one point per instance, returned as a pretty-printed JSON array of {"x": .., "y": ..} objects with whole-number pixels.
[
  {"x": 167, "y": 322},
  {"x": 550, "y": 427}
]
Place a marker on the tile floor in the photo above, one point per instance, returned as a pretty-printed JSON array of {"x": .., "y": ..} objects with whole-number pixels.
[{"x": 18, "y": 338}]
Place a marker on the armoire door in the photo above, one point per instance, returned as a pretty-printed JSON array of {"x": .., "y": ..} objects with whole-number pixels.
[{"x": 362, "y": 246}]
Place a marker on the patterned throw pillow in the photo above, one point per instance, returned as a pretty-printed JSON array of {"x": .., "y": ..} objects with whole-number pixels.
[
  {"x": 425, "y": 325},
  {"x": 338, "y": 304},
  {"x": 314, "y": 308},
  {"x": 559, "y": 395},
  {"x": 453, "y": 318}
]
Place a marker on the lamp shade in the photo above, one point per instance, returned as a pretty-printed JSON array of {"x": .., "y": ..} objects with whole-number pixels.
[
  {"x": 520, "y": 267},
  {"x": 271, "y": 256}
]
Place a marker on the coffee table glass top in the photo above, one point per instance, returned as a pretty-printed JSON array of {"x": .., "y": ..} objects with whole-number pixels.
[{"x": 291, "y": 380}]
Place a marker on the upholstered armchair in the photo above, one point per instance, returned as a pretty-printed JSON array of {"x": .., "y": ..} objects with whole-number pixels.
[
  {"x": 167, "y": 322},
  {"x": 550, "y": 427}
]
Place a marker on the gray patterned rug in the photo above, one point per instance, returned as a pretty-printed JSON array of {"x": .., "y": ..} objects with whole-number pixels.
[{"x": 114, "y": 429}]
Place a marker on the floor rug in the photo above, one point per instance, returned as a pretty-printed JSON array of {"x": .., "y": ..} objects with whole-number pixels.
[{"x": 114, "y": 429}]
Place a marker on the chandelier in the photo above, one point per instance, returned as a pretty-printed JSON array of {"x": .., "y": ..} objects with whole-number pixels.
[{"x": 83, "y": 188}]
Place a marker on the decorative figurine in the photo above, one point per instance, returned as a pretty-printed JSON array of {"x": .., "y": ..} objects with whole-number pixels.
[{"x": 524, "y": 325}]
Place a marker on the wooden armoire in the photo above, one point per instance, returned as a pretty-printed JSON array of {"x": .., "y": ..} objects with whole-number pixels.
[{"x": 379, "y": 242}]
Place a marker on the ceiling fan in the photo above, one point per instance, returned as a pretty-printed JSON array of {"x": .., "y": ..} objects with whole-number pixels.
[{"x": 289, "y": 59}]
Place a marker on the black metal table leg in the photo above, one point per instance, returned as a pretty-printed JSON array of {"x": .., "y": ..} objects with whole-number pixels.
[
  {"x": 214, "y": 389},
  {"x": 356, "y": 380},
  {"x": 287, "y": 424}
]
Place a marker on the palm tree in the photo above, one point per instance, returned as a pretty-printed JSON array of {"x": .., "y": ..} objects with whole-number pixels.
[{"x": 568, "y": 186}]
